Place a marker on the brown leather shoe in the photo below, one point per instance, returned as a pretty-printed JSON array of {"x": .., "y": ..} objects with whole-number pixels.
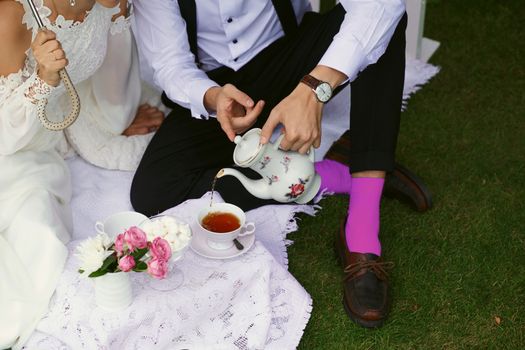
[
  {"x": 401, "y": 183},
  {"x": 407, "y": 187},
  {"x": 365, "y": 285}
]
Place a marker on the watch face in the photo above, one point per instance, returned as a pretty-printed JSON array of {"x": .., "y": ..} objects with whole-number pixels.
[{"x": 323, "y": 92}]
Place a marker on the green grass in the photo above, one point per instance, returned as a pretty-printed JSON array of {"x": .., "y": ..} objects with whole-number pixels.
[{"x": 463, "y": 263}]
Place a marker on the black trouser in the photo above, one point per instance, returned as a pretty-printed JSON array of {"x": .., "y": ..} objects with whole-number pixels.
[{"x": 186, "y": 153}]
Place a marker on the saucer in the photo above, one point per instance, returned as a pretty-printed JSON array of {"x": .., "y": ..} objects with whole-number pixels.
[{"x": 200, "y": 246}]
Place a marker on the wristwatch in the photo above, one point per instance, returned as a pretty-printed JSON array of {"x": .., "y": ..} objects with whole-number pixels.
[{"x": 321, "y": 89}]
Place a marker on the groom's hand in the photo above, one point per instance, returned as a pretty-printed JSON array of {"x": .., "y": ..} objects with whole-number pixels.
[
  {"x": 300, "y": 114},
  {"x": 236, "y": 111}
]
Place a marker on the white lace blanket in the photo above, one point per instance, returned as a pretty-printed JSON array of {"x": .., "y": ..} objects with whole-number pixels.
[{"x": 249, "y": 302}]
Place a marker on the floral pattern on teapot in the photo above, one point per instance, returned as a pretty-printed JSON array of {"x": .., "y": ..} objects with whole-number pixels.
[
  {"x": 297, "y": 189},
  {"x": 286, "y": 162},
  {"x": 272, "y": 179},
  {"x": 264, "y": 162}
]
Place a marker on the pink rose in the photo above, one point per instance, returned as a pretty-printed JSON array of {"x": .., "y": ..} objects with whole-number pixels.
[
  {"x": 126, "y": 263},
  {"x": 160, "y": 249},
  {"x": 135, "y": 238},
  {"x": 157, "y": 268},
  {"x": 119, "y": 244}
]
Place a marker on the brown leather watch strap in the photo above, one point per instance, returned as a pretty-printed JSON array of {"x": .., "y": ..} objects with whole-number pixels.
[{"x": 311, "y": 81}]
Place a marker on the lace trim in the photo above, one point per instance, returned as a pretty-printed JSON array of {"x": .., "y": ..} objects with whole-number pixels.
[
  {"x": 28, "y": 18},
  {"x": 13, "y": 80},
  {"x": 37, "y": 89},
  {"x": 61, "y": 23},
  {"x": 121, "y": 24}
]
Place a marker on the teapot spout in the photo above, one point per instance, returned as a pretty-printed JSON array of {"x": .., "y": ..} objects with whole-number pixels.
[{"x": 258, "y": 188}]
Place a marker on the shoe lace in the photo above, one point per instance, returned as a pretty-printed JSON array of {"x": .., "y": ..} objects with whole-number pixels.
[{"x": 379, "y": 268}]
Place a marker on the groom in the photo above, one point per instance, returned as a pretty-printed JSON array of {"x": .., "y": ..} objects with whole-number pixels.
[{"x": 227, "y": 66}]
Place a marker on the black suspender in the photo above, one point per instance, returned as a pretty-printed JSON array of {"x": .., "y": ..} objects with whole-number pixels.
[
  {"x": 286, "y": 15},
  {"x": 188, "y": 11}
]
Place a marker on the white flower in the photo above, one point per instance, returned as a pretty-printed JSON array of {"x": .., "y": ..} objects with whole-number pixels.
[{"x": 92, "y": 252}]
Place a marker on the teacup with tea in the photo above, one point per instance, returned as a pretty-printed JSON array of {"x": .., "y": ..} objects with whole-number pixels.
[{"x": 221, "y": 223}]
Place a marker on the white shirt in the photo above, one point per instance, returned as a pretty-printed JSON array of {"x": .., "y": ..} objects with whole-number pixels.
[{"x": 231, "y": 32}]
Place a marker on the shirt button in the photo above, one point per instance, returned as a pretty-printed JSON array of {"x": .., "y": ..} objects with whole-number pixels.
[
  {"x": 229, "y": 20},
  {"x": 234, "y": 41},
  {"x": 235, "y": 59}
]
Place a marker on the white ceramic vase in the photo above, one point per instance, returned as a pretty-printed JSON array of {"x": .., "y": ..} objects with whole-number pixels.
[{"x": 113, "y": 291}]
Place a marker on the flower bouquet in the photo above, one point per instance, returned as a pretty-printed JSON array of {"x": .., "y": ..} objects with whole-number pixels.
[
  {"x": 131, "y": 251},
  {"x": 104, "y": 260}
]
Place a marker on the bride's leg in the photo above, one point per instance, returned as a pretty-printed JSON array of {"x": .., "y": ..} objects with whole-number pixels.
[{"x": 32, "y": 256}]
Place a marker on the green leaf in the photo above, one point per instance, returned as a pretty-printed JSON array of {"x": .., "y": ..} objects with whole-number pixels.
[
  {"x": 108, "y": 261},
  {"x": 139, "y": 253},
  {"x": 109, "y": 265},
  {"x": 141, "y": 266},
  {"x": 98, "y": 273}
]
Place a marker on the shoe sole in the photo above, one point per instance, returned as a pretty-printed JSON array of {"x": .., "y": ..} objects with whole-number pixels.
[
  {"x": 355, "y": 318},
  {"x": 360, "y": 321}
]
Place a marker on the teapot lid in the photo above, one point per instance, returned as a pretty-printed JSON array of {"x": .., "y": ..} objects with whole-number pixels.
[{"x": 248, "y": 147}]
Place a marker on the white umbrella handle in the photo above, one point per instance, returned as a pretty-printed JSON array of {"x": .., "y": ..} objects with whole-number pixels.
[
  {"x": 73, "y": 95},
  {"x": 75, "y": 106}
]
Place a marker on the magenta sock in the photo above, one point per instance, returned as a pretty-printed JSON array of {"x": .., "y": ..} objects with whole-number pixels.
[
  {"x": 335, "y": 177},
  {"x": 362, "y": 225}
]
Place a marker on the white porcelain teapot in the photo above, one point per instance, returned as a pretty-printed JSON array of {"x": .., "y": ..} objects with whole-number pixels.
[{"x": 286, "y": 176}]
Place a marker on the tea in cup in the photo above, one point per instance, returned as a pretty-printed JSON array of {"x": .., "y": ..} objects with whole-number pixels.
[
  {"x": 117, "y": 223},
  {"x": 221, "y": 223}
]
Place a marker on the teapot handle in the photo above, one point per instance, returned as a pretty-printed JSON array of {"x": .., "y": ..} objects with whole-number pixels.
[
  {"x": 278, "y": 142},
  {"x": 311, "y": 152}
]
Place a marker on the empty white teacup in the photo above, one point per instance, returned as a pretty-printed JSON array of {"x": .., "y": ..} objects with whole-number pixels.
[
  {"x": 119, "y": 222},
  {"x": 224, "y": 240}
]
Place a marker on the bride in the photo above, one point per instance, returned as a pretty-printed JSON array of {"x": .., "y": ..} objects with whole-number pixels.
[{"x": 93, "y": 40}]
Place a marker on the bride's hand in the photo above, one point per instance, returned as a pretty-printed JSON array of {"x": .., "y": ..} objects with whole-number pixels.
[
  {"x": 49, "y": 56},
  {"x": 148, "y": 119}
]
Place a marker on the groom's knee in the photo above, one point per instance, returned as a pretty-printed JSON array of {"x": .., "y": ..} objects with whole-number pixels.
[
  {"x": 141, "y": 194},
  {"x": 152, "y": 193}
]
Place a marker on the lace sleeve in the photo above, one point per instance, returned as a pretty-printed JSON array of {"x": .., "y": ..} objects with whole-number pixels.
[
  {"x": 19, "y": 94},
  {"x": 37, "y": 89}
]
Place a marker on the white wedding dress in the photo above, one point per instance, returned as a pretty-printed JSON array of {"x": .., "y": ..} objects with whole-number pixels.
[{"x": 35, "y": 189}]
